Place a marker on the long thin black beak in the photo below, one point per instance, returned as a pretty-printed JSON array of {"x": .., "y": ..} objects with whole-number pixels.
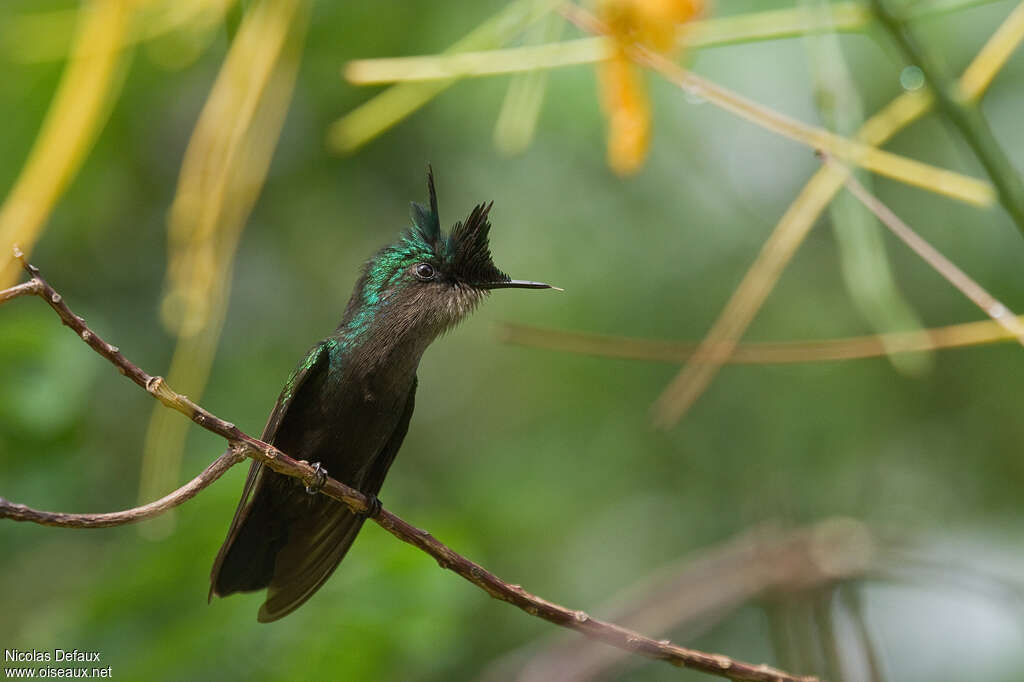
[{"x": 517, "y": 284}]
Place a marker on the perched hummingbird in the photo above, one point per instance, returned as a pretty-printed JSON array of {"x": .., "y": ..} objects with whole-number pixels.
[{"x": 347, "y": 406}]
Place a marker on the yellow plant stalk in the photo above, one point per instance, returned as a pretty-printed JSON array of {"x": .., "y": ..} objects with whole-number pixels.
[
  {"x": 863, "y": 255},
  {"x": 711, "y": 32},
  {"x": 909, "y": 171},
  {"x": 945, "y": 267},
  {"x": 520, "y": 112},
  {"x": 44, "y": 35},
  {"x": 762, "y": 276},
  {"x": 623, "y": 92},
  {"x": 80, "y": 106},
  {"x": 370, "y": 119},
  {"x": 224, "y": 169},
  {"x": 961, "y": 335}
]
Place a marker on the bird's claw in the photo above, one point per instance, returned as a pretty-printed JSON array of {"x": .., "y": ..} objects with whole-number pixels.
[
  {"x": 320, "y": 481},
  {"x": 372, "y": 509}
]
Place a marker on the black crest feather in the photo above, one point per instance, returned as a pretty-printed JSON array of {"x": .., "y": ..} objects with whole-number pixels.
[
  {"x": 465, "y": 250},
  {"x": 427, "y": 221},
  {"x": 469, "y": 249}
]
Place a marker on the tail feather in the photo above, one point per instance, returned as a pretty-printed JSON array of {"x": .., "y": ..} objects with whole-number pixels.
[
  {"x": 248, "y": 561},
  {"x": 287, "y": 541},
  {"x": 317, "y": 544},
  {"x": 260, "y": 529}
]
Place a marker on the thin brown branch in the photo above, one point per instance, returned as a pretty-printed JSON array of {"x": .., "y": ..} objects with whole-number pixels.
[
  {"x": 695, "y": 593},
  {"x": 19, "y": 512},
  {"x": 242, "y": 444},
  {"x": 29, "y": 288}
]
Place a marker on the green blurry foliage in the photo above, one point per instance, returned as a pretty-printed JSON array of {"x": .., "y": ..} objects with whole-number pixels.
[{"x": 543, "y": 467}]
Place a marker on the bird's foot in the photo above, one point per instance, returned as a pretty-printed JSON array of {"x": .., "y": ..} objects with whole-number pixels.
[
  {"x": 373, "y": 507},
  {"x": 320, "y": 481}
]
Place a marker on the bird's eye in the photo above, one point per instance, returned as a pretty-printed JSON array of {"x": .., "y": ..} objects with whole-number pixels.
[{"x": 424, "y": 271}]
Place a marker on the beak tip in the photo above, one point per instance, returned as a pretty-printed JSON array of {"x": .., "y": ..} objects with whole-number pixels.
[{"x": 519, "y": 284}]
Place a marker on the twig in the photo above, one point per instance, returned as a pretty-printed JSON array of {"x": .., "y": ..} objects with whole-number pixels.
[
  {"x": 373, "y": 117},
  {"x": 694, "y": 594},
  {"x": 29, "y": 288},
  {"x": 19, "y": 512},
  {"x": 966, "y": 334},
  {"x": 823, "y": 617},
  {"x": 850, "y": 597},
  {"x": 962, "y": 113},
  {"x": 745, "y": 302},
  {"x": 957, "y": 277},
  {"x": 863, "y": 257},
  {"x": 748, "y": 27},
  {"x": 908, "y": 171},
  {"x": 242, "y": 444}
]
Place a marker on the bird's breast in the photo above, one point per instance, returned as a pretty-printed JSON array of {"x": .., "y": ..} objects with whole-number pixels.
[{"x": 348, "y": 427}]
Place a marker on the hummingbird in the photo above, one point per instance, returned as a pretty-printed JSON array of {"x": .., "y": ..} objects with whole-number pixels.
[{"x": 346, "y": 407}]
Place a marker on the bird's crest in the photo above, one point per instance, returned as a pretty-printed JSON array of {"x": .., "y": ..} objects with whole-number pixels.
[
  {"x": 426, "y": 221},
  {"x": 466, "y": 248}
]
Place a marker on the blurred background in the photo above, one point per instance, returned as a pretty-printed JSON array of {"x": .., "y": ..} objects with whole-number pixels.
[{"x": 192, "y": 180}]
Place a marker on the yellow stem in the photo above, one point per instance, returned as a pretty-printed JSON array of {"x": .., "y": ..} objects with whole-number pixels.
[
  {"x": 763, "y": 353},
  {"x": 694, "y": 378},
  {"x": 77, "y": 113}
]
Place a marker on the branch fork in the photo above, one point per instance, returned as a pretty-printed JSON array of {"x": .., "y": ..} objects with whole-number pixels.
[{"x": 242, "y": 446}]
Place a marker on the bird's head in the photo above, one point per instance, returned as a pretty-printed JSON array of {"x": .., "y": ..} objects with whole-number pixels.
[{"x": 427, "y": 281}]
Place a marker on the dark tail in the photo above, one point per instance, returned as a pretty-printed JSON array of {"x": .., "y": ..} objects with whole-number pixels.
[
  {"x": 284, "y": 540},
  {"x": 246, "y": 560}
]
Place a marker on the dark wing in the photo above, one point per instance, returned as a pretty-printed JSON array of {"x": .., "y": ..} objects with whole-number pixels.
[
  {"x": 318, "y": 542},
  {"x": 316, "y": 361}
]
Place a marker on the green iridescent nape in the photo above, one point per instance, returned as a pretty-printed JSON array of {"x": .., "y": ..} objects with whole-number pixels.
[
  {"x": 463, "y": 256},
  {"x": 382, "y": 274}
]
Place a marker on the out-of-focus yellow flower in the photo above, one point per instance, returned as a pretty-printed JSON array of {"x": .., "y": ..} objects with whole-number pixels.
[
  {"x": 653, "y": 23},
  {"x": 625, "y": 103}
]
